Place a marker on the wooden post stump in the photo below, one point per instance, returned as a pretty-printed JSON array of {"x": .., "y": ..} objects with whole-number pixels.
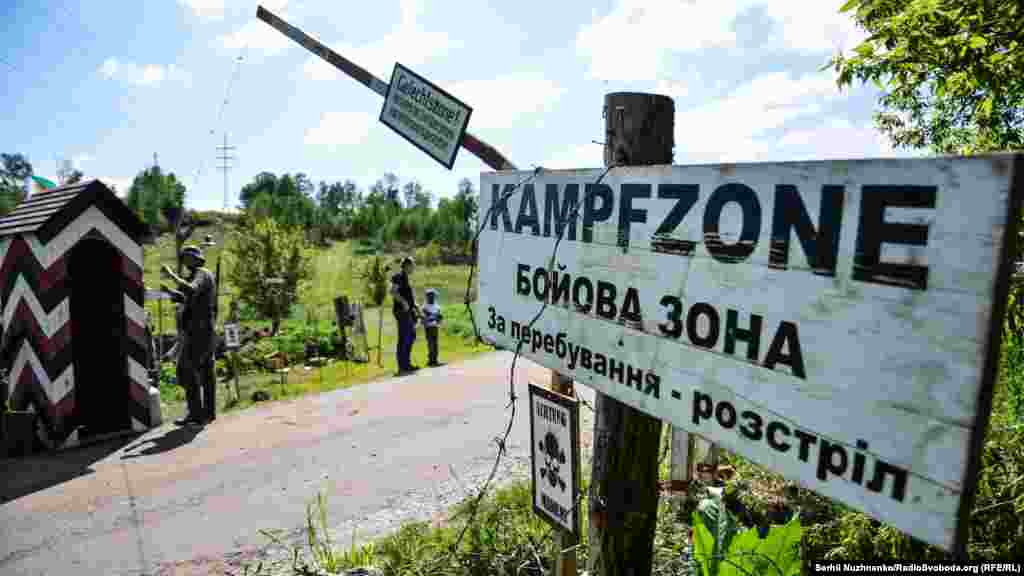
[{"x": 624, "y": 476}]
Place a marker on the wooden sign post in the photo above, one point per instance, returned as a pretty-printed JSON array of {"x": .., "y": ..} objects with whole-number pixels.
[
  {"x": 624, "y": 469},
  {"x": 565, "y": 562},
  {"x": 838, "y": 322},
  {"x": 232, "y": 342},
  {"x": 555, "y": 462}
]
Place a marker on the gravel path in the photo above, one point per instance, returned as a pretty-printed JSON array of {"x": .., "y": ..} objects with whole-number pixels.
[{"x": 177, "y": 503}]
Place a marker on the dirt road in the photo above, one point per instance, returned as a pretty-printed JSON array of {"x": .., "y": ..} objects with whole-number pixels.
[{"x": 178, "y": 502}]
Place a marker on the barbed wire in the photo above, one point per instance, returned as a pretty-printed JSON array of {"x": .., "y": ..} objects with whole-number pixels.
[{"x": 501, "y": 441}]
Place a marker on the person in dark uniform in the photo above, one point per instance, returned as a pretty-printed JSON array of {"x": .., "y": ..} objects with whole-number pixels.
[
  {"x": 406, "y": 314},
  {"x": 198, "y": 341}
]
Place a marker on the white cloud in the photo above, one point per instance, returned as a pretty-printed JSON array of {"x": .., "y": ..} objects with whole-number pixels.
[
  {"x": 143, "y": 74},
  {"x": 256, "y": 35},
  {"x": 121, "y": 184},
  {"x": 633, "y": 41},
  {"x": 728, "y": 129},
  {"x": 836, "y": 138},
  {"x": 339, "y": 129},
  {"x": 408, "y": 44},
  {"x": 814, "y": 26},
  {"x": 152, "y": 74},
  {"x": 78, "y": 160},
  {"x": 109, "y": 68},
  {"x": 205, "y": 9},
  {"x": 588, "y": 155},
  {"x": 742, "y": 127},
  {"x": 506, "y": 101},
  {"x": 672, "y": 88},
  {"x": 215, "y": 9}
]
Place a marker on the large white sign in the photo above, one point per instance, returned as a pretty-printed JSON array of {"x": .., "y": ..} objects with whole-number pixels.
[
  {"x": 833, "y": 321},
  {"x": 425, "y": 115},
  {"x": 554, "y": 428}
]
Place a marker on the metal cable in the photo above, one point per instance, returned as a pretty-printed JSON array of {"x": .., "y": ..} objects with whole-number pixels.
[{"x": 501, "y": 441}]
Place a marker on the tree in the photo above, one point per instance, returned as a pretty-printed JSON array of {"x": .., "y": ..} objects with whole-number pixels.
[
  {"x": 951, "y": 71},
  {"x": 466, "y": 206},
  {"x": 153, "y": 194},
  {"x": 12, "y": 180},
  {"x": 423, "y": 201},
  {"x": 389, "y": 184},
  {"x": 263, "y": 183},
  {"x": 351, "y": 197},
  {"x": 75, "y": 177},
  {"x": 260, "y": 249},
  {"x": 287, "y": 199},
  {"x": 328, "y": 197},
  {"x": 410, "y": 191},
  {"x": 337, "y": 204}
]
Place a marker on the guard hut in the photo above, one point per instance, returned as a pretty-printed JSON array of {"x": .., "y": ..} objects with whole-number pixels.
[{"x": 73, "y": 319}]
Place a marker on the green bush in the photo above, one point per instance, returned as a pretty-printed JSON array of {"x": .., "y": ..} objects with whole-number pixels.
[
  {"x": 266, "y": 250},
  {"x": 169, "y": 388},
  {"x": 253, "y": 354},
  {"x": 457, "y": 323},
  {"x": 429, "y": 255},
  {"x": 722, "y": 548}
]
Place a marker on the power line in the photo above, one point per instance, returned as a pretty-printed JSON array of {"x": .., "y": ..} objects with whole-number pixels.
[
  {"x": 225, "y": 157},
  {"x": 218, "y": 123},
  {"x": 231, "y": 82}
]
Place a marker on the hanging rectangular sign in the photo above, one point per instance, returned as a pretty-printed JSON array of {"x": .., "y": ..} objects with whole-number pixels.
[
  {"x": 231, "y": 339},
  {"x": 425, "y": 115},
  {"x": 838, "y": 322},
  {"x": 554, "y": 437}
]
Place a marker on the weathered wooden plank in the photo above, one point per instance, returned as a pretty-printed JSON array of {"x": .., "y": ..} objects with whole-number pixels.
[{"x": 891, "y": 363}]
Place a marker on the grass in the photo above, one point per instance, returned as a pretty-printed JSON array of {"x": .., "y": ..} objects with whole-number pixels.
[
  {"x": 336, "y": 273},
  {"x": 508, "y": 538},
  {"x": 454, "y": 343},
  {"x": 505, "y": 538}
]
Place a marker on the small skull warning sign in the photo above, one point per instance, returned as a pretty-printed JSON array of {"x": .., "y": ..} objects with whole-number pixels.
[{"x": 554, "y": 428}]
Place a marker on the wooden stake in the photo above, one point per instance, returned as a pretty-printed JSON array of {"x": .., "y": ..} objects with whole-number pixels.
[
  {"x": 682, "y": 458},
  {"x": 624, "y": 478},
  {"x": 238, "y": 393},
  {"x": 565, "y": 563}
]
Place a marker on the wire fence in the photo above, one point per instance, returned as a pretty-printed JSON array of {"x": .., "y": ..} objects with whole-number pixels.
[{"x": 502, "y": 440}]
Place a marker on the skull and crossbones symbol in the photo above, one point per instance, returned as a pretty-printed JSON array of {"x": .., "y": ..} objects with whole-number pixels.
[{"x": 554, "y": 457}]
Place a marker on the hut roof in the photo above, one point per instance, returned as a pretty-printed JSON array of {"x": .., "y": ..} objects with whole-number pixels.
[{"x": 46, "y": 213}]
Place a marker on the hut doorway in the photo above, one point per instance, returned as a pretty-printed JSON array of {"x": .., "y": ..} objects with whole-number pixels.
[{"x": 97, "y": 329}]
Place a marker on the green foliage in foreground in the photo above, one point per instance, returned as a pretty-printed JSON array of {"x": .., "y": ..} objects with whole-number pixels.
[
  {"x": 721, "y": 548},
  {"x": 950, "y": 71}
]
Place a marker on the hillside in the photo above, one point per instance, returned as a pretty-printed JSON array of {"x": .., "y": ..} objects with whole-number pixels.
[{"x": 336, "y": 271}]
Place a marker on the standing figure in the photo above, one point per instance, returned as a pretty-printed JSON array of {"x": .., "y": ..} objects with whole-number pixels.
[
  {"x": 196, "y": 351},
  {"x": 406, "y": 313},
  {"x": 431, "y": 321}
]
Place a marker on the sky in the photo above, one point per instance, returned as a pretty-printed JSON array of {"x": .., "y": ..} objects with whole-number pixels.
[{"x": 109, "y": 84}]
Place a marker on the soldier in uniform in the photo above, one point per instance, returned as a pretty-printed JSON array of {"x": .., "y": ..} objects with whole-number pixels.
[{"x": 197, "y": 293}]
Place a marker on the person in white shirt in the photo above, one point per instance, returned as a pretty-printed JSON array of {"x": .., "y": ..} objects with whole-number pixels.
[{"x": 431, "y": 321}]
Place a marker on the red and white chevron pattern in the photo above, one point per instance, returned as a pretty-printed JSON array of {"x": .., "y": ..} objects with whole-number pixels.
[{"x": 36, "y": 314}]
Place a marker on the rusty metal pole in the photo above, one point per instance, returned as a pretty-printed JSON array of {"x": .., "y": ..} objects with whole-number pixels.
[
  {"x": 565, "y": 562},
  {"x": 624, "y": 475}
]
